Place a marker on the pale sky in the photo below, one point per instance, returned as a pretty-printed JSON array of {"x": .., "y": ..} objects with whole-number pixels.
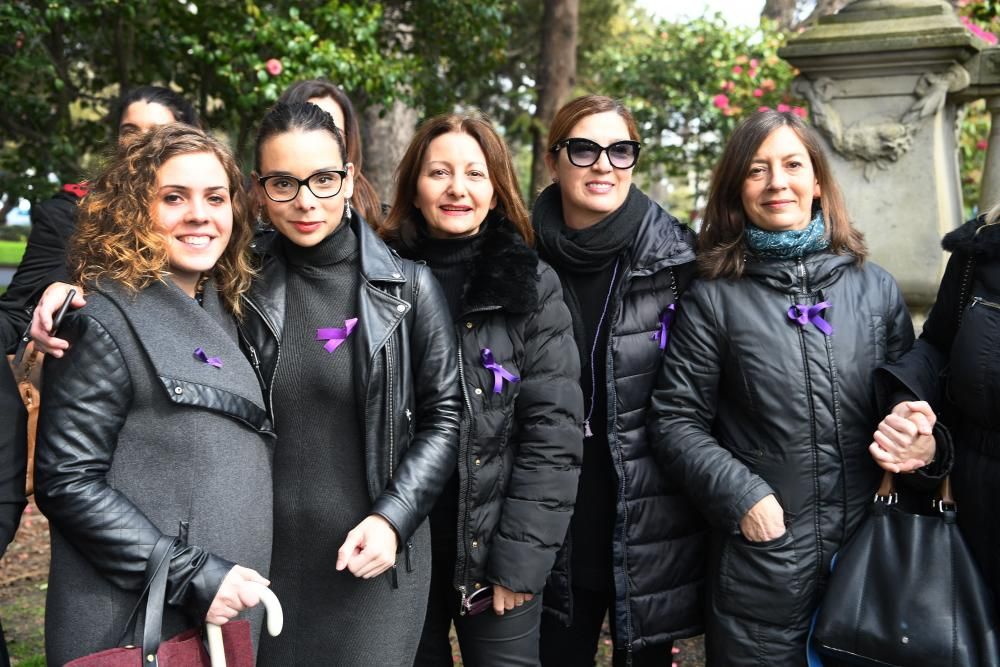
[{"x": 737, "y": 12}]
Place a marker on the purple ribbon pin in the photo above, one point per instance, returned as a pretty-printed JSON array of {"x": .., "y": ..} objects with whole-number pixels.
[
  {"x": 666, "y": 321},
  {"x": 334, "y": 336},
  {"x": 802, "y": 315},
  {"x": 200, "y": 355},
  {"x": 499, "y": 372}
]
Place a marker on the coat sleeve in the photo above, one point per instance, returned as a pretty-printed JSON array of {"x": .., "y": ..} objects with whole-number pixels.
[
  {"x": 88, "y": 394},
  {"x": 43, "y": 263},
  {"x": 683, "y": 412},
  {"x": 431, "y": 457},
  {"x": 13, "y": 456},
  {"x": 543, "y": 483}
]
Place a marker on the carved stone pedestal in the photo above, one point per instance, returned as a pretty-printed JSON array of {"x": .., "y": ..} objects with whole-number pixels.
[{"x": 881, "y": 79}]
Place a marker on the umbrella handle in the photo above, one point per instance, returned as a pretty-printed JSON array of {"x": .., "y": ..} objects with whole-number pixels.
[{"x": 274, "y": 617}]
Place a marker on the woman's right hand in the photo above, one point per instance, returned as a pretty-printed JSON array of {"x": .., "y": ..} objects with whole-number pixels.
[
  {"x": 235, "y": 594},
  {"x": 765, "y": 520},
  {"x": 41, "y": 321}
]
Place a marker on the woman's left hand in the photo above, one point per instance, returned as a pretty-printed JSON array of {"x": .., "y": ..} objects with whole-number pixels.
[
  {"x": 505, "y": 599},
  {"x": 370, "y": 549}
]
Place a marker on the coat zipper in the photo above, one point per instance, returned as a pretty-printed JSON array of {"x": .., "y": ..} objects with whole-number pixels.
[
  {"x": 981, "y": 301},
  {"x": 277, "y": 358},
  {"x": 463, "y": 565},
  {"x": 587, "y": 433}
]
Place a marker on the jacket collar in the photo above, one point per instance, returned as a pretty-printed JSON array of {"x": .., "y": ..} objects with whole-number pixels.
[
  {"x": 505, "y": 275},
  {"x": 818, "y": 271},
  {"x": 975, "y": 238},
  {"x": 661, "y": 241}
]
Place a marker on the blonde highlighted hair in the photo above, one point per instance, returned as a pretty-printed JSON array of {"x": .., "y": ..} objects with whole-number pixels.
[{"x": 116, "y": 237}]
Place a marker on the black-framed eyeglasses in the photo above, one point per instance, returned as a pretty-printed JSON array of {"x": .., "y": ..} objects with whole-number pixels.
[
  {"x": 584, "y": 152},
  {"x": 323, "y": 185}
]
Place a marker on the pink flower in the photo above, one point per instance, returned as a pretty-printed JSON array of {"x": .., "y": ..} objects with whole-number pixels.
[
  {"x": 784, "y": 107},
  {"x": 754, "y": 63},
  {"x": 758, "y": 92},
  {"x": 720, "y": 101},
  {"x": 767, "y": 85},
  {"x": 727, "y": 86},
  {"x": 763, "y": 108},
  {"x": 800, "y": 112},
  {"x": 751, "y": 73},
  {"x": 982, "y": 34},
  {"x": 273, "y": 67},
  {"x": 982, "y": 144},
  {"x": 737, "y": 69}
]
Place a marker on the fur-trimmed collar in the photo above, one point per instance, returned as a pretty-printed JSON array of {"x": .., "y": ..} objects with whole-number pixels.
[
  {"x": 504, "y": 274},
  {"x": 975, "y": 238}
]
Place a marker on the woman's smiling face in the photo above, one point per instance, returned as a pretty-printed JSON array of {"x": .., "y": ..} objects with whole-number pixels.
[{"x": 454, "y": 191}]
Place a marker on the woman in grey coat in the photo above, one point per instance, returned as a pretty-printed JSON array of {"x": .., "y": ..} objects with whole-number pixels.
[{"x": 154, "y": 423}]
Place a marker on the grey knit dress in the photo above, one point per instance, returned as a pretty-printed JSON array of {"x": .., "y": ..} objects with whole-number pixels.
[{"x": 332, "y": 618}]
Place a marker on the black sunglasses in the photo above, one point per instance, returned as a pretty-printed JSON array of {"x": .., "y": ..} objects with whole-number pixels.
[
  {"x": 584, "y": 152},
  {"x": 323, "y": 185}
]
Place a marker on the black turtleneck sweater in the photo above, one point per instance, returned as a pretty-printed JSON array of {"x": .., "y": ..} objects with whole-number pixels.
[{"x": 319, "y": 463}]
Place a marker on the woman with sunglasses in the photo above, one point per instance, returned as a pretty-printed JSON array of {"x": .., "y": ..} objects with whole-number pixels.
[
  {"x": 765, "y": 404},
  {"x": 354, "y": 348},
  {"x": 497, "y": 526},
  {"x": 634, "y": 549}
]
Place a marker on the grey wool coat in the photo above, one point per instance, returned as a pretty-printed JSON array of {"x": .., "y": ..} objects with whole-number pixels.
[{"x": 138, "y": 437}]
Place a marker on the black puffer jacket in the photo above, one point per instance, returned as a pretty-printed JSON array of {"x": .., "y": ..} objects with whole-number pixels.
[
  {"x": 749, "y": 403},
  {"x": 658, "y": 544},
  {"x": 520, "y": 451},
  {"x": 407, "y": 378}
]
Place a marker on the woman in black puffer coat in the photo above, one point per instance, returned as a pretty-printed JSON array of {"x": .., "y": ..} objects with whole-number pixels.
[
  {"x": 765, "y": 404},
  {"x": 497, "y": 527},
  {"x": 636, "y": 546},
  {"x": 955, "y": 366}
]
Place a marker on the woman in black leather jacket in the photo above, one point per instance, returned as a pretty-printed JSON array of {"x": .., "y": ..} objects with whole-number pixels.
[
  {"x": 505, "y": 512},
  {"x": 765, "y": 402},
  {"x": 355, "y": 351},
  {"x": 955, "y": 367},
  {"x": 153, "y": 424}
]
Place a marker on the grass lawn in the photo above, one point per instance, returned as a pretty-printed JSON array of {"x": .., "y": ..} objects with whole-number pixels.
[{"x": 10, "y": 252}]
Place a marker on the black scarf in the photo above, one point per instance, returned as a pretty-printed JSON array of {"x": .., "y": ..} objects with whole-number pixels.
[{"x": 594, "y": 248}]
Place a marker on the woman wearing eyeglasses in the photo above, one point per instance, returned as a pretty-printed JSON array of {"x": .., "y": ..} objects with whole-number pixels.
[
  {"x": 355, "y": 348},
  {"x": 635, "y": 545}
]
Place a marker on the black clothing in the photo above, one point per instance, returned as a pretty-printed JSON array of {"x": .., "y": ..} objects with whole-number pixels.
[
  {"x": 658, "y": 538},
  {"x": 451, "y": 262},
  {"x": 13, "y": 457},
  {"x": 520, "y": 447},
  {"x": 751, "y": 403},
  {"x": 319, "y": 467},
  {"x": 576, "y": 645},
  {"x": 406, "y": 382},
  {"x": 955, "y": 365},
  {"x": 44, "y": 262}
]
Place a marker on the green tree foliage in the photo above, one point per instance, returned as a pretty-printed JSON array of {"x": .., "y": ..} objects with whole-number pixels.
[{"x": 65, "y": 62}]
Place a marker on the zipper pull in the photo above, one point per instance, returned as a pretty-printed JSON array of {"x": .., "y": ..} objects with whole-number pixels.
[
  {"x": 587, "y": 433},
  {"x": 464, "y": 607},
  {"x": 407, "y": 549}
]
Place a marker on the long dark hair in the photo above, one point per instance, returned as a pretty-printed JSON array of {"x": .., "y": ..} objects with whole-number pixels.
[
  {"x": 404, "y": 216},
  {"x": 721, "y": 245},
  {"x": 365, "y": 198},
  {"x": 182, "y": 110}
]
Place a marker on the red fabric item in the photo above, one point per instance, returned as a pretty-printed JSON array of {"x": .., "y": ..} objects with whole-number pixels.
[
  {"x": 183, "y": 650},
  {"x": 78, "y": 189}
]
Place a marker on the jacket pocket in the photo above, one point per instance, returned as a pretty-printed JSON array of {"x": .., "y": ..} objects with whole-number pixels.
[{"x": 759, "y": 580}]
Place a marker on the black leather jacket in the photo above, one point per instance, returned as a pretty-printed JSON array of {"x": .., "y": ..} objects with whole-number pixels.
[{"x": 406, "y": 374}]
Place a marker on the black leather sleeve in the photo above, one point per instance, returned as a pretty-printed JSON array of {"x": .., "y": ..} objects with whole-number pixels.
[
  {"x": 87, "y": 398},
  {"x": 543, "y": 482},
  {"x": 44, "y": 262},
  {"x": 433, "y": 451},
  {"x": 13, "y": 456}
]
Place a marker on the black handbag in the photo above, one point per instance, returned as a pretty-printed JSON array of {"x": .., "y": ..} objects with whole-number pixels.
[{"x": 905, "y": 591}]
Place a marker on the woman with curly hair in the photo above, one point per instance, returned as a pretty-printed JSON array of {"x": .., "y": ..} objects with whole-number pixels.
[{"x": 153, "y": 423}]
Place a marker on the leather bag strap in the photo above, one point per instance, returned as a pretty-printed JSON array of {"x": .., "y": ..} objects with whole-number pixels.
[{"x": 155, "y": 594}]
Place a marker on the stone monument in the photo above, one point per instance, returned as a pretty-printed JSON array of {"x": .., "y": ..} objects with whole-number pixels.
[{"x": 884, "y": 81}]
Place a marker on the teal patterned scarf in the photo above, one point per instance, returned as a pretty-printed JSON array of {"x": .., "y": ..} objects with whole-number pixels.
[{"x": 790, "y": 244}]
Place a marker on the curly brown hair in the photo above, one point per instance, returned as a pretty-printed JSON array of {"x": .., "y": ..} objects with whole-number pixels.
[{"x": 116, "y": 237}]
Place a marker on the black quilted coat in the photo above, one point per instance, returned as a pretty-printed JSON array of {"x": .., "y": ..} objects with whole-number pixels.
[{"x": 749, "y": 403}]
